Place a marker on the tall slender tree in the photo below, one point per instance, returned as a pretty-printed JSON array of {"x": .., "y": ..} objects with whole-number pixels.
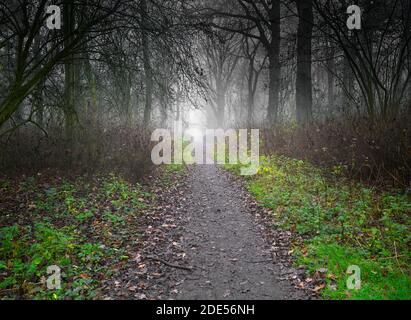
[
  {"x": 147, "y": 63},
  {"x": 304, "y": 98},
  {"x": 263, "y": 22}
]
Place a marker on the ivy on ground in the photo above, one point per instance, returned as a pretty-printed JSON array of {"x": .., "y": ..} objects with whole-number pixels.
[
  {"x": 84, "y": 226},
  {"x": 339, "y": 223}
]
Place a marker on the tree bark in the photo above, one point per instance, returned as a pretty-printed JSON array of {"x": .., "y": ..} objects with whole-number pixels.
[
  {"x": 274, "y": 62},
  {"x": 69, "y": 71},
  {"x": 147, "y": 64},
  {"x": 251, "y": 92},
  {"x": 38, "y": 92},
  {"x": 304, "y": 98},
  {"x": 330, "y": 76},
  {"x": 220, "y": 107}
]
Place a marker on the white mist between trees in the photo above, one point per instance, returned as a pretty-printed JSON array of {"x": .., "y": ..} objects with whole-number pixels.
[{"x": 191, "y": 146}]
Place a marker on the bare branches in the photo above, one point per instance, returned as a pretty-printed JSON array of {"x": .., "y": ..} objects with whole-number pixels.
[
  {"x": 377, "y": 54},
  {"x": 26, "y": 23}
]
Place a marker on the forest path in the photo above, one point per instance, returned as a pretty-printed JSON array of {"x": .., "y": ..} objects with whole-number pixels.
[{"x": 224, "y": 244}]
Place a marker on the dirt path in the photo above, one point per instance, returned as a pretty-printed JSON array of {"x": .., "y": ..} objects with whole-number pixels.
[
  {"x": 207, "y": 223},
  {"x": 224, "y": 244}
]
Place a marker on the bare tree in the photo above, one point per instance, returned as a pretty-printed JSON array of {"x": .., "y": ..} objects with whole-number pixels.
[
  {"x": 251, "y": 50},
  {"x": 24, "y": 20},
  {"x": 259, "y": 20},
  {"x": 304, "y": 99},
  {"x": 377, "y": 55},
  {"x": 221, "y": 54}
]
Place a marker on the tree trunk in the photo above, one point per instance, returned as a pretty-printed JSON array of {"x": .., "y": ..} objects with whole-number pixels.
[
  {"x": 274, "y": 63},
  {"x": 11, "y": 104},
  {"x": 92, "y": 89},
  {"x": 251, "y": 92},
  {"x": 38, "y": 92},
  {"x": 164, "y": 103},
  {"x": 304, "y": 97},
  {"x": 69, "y": 71},
  {"x": 128, "y": 114},
  {"x": 407, "y": 35},
  {"x": 330, "y": 76},
  {"x": 220, "y": 107},
  {"x": 348, "y": 80},
  {"x": 147, "y": 64}
]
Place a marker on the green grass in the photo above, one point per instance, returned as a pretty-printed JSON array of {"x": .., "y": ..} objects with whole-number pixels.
[
  {"x": 342, "y": 223},
  {"x": 77, "y": 225},
  {"x": 171, "y": 172}
]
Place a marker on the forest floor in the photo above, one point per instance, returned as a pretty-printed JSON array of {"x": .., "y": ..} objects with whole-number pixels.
[
  {"x": 214, "y": 245},
  {"x": 225, "y": 246},
  {"x": 203, "y": 232},
  {"x": 355, "y": 237}
]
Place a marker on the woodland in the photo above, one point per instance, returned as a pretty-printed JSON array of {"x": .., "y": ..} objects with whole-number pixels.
[{"x": 83, "y": 84}]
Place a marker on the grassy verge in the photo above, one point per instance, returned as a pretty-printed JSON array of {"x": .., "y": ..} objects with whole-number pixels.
[
  {"x": 339, "y": 224},
  {"x": 171, "y": 172},
  {"x": 82, "y": 226}
]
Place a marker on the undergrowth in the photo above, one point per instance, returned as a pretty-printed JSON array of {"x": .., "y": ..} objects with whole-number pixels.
[
  {"x": 339, "y": 223},
  {"x": 77, "y": 225}
]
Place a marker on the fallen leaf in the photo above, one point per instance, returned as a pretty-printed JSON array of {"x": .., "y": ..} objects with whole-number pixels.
[{"x": 319, "y": 288}]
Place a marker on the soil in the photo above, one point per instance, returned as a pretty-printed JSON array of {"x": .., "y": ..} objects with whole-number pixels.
[{"x": 209, "y": 240}]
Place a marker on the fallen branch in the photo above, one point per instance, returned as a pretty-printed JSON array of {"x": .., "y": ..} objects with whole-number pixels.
[{"x": 171, "y": 265}]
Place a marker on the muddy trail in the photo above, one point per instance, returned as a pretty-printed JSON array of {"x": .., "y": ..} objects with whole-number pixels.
[{"x": 208, "y": 240}]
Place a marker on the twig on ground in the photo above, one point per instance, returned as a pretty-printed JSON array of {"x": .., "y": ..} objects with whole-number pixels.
[{"x": 171, "y": 265}]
